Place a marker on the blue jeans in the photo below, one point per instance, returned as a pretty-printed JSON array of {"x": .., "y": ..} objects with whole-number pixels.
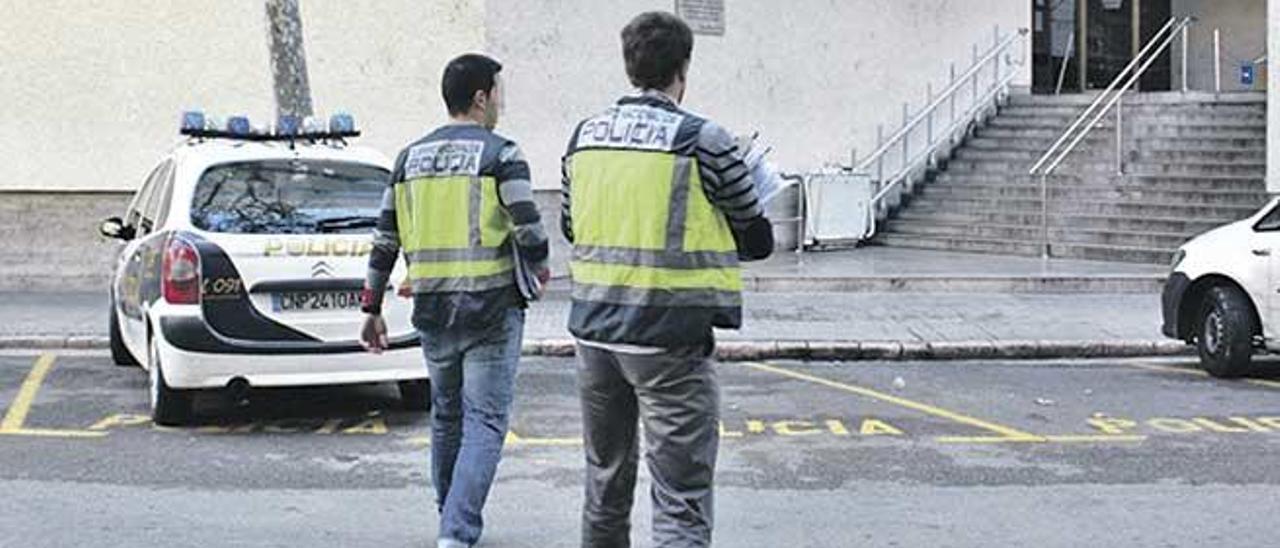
[{"x": 473, "y": 375}]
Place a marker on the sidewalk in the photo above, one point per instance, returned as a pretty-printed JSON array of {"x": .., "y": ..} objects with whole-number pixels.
[{"x": 864, "y": 303}]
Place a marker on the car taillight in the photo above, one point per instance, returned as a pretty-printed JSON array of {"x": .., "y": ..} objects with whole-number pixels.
[{"x": 180, "y": 273}]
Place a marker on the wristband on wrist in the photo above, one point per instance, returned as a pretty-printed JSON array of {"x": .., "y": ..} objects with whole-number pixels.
[{"x": 368, "y": 303}]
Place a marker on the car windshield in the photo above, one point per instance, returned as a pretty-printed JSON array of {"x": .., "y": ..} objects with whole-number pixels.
[{"x": 288, "y": 197}]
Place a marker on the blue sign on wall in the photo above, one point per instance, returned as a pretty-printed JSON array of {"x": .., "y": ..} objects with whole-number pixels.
[{"x": 1246, "y": 74}]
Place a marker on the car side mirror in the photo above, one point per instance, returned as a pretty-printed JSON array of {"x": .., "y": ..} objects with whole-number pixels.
[{"x": 115, "y": 228}]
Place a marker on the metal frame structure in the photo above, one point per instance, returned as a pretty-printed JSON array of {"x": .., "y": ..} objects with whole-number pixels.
[{"x": 916, "y": 145}]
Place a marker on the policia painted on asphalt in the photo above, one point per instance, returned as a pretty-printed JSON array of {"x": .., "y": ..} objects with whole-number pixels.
[{"x": 660, "y": 207}]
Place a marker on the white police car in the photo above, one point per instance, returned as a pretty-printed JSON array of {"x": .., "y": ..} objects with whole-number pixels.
[
  {"x": 1224, "y": 293},
  {"x": 245, "y": 254}
]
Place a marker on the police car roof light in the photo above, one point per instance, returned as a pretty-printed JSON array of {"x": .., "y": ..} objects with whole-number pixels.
[
  {"x": 288, "y": 124},
  {"x": 238, "y": 125},
  {"x": 342, "y": 123},
  {"x": 289, "y": 128},
  {"x": 192, "y": 120}
]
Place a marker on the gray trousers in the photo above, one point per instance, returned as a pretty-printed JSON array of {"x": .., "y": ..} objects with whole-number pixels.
[{"x": 676, "y": 395}]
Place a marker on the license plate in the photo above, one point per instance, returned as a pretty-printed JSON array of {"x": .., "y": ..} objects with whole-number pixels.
[{"x": 317, "y": 301}]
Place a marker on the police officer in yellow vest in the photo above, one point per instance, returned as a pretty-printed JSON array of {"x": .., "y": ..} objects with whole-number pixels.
[
  {"x": 659, "y": 207},
  {"x": 459, "y": 199}
]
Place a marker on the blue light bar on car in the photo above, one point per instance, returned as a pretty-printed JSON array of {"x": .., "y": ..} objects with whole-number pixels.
[
  {"x": 342, "y": 123},
  {"x": 288, "y": 125},
  {"x": 238, "y": 125},
  {"x": 192, "y": 120}
]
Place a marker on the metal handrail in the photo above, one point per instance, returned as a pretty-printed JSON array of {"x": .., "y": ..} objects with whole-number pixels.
[
  {"x": 901, "y": 139},
  {"x": 1111, "y": 97},
  {"x": 1067, "y": 53},
  {"x": 1079, "y": 120}
]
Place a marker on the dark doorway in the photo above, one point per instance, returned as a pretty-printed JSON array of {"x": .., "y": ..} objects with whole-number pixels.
[{"x": 1069, "y": 56}]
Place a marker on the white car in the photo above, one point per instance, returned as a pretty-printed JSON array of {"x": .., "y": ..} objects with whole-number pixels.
[
  {"x": 1222, "y": 295},
  {"x": 243, "y": 264}
]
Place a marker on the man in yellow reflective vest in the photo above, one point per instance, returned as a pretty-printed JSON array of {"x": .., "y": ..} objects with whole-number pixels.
[
  {"x": 660, "y": 208},
  {"x": 459, "y": 199}
]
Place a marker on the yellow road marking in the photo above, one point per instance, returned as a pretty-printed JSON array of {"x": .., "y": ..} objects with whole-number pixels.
[
  {"x": 16, "y": 416},
  {"x": 1096, "y": 438},
  {"x": 47, "y": 433},
  {"x": 21, "y": 406},
  {"x": 1198, "y": 373},
  {"x": 513, "y": 440},
  {"x": 1051, "y": 439},
  {"x": 1007, "y": 433}
]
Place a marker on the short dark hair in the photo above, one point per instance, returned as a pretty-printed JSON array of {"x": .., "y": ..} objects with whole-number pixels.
[
  {"x": 464, "y": 76},
  {"x": 655, "y": 45}
]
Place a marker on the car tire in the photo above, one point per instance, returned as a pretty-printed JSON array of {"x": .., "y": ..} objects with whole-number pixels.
[
  {"x": 1225, "y": 336},
  {"x": 119, "y": 354},
  {"x": 169, "y": 406},
  {"x": 415, "y": 395}
]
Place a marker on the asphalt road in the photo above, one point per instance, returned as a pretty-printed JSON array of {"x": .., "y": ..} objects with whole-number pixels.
[{"x": 1106, "y": 453}]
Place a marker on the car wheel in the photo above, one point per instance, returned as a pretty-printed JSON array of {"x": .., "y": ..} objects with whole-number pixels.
[
  {"x": 1225, "y": 338},
  {"x": 415, "y": 395},
  {"x": 169, "y": 407},
  {"x": 119, "y": 354}
]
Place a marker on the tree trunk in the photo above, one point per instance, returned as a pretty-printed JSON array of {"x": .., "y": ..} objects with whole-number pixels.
[{"x": 288, "y": 58}]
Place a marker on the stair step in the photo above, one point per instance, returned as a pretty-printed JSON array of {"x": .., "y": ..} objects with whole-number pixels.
[
  {"x": 1103, "y": 141},
  {"x": 1073, "y": 220},
  {"x": 1033, "y": 206},
  {"x": 1207, "y": 186},
  {"x": 1088, "y": 165},
  {"x": 1146, "y": 98},
  {"x": 1197, "y": 109},
  {"x": 1146, "y": 132},
  {"x": 1006, "y": 247},
  {"x": 1033, "y": 234},
  {"x": 1163, "y": 118},
  {"x": 1252, "y": 156},
  {"x": 1126, "y": 193},
  {"x": 1166, "y": 155}
]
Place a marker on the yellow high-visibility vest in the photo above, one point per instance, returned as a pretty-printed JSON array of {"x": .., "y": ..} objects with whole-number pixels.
[
  {"x": 452, "y": 227},
  {"x": 653, "y": 259}
]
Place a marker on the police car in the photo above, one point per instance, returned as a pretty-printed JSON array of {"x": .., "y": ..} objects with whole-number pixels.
[
  {"x": 1222, "y": 295},
  {"x": 244, "y": 257}
]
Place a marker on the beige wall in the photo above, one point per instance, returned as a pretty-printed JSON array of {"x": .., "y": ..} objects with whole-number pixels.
[
  {"x": 92, "y": 90},
  {"x": 382, "y": 60},
  {"x": 1243, "y": 36},
  {"x": 814, "y": 77}
]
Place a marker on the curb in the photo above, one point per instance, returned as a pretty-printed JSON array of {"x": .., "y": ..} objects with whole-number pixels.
[{"x": 730, "y": 350}]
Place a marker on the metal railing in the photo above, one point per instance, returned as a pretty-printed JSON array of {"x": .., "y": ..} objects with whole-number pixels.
[
  {"x": 1112, "y": 98},
  {"x": 914, "y": 147}
]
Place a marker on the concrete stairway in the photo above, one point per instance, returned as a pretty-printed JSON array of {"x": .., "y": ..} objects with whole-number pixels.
[{"x": 1194, "y": 162}]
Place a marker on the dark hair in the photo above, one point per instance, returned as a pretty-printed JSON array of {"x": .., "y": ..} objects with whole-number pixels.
[
  {"x": 655, "y": 45},
  {"x": 463, "y": 77}
]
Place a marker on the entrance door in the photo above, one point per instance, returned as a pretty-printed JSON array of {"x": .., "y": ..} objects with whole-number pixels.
[{"x": 1084, "y": 44}]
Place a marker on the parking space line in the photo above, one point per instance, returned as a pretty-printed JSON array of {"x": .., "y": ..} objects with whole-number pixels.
[
  {"x": 1007, "y": 433},
  {"x": 21, "y": 406},
  {"x": 1198, "y": 373},
  {"x": 16, "y": 417},
  {"x": 1082, "y": 438}
]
